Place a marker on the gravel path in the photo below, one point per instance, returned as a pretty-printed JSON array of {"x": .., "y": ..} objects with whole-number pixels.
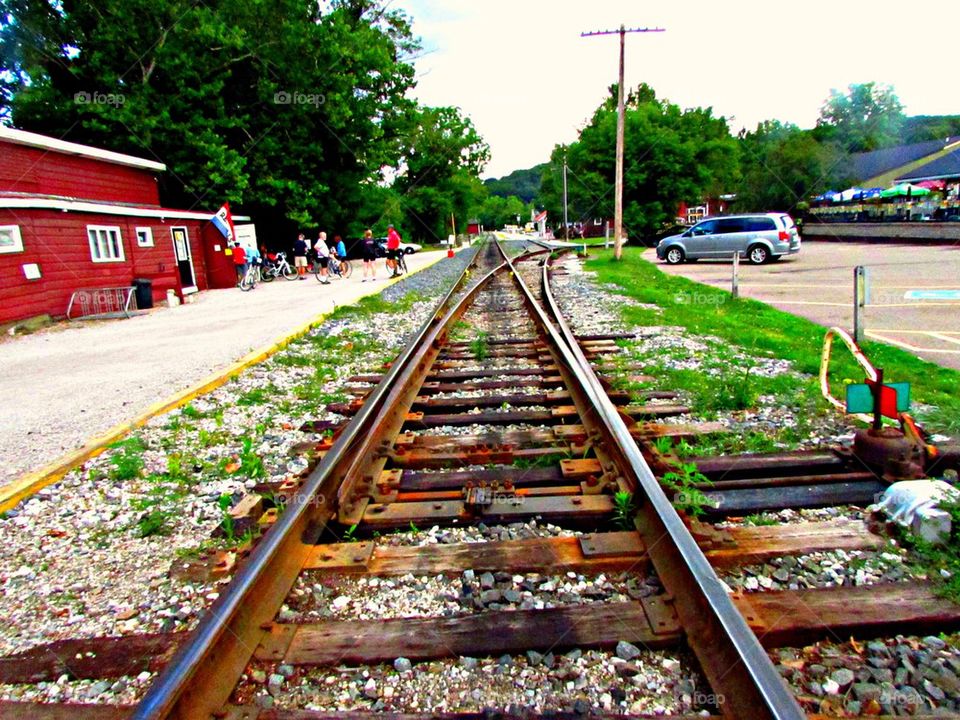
[{"x": 68, "y": 384}]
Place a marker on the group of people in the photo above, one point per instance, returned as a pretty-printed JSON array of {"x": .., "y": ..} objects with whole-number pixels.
[{"x": 323, "y": 254}]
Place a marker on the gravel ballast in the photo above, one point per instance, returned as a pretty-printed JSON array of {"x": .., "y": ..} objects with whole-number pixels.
[{"x": 89, "y": 555}]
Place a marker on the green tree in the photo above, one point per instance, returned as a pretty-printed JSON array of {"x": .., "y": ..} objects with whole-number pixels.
[
  {"x": 496, "y": 211},
  {"x": 866, "y": 117},
  {"x": 443, "y": 157},
  {"x": 525, "y": 184},
  {"x": 670, "y": 155},
  {"x": 287, "y": 111},
  {"x": 782, "y": 166}
]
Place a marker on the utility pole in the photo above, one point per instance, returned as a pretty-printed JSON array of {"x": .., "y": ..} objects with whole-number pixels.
[
  {"x": 566, "y": 224},
  {"x": 618, "y": 201}
]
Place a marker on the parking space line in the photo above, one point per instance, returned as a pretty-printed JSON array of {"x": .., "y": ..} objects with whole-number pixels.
[
  {"x": 918, "y": 332},
  {"x": 907, "y": 346},
  {"x": 804, "y": 302},
  {"x": 945, "y": 338},
  {"x": 915, "y": 304}
]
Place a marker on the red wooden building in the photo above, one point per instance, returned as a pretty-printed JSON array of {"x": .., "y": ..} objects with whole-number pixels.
[{"x": 75, "y": 217}]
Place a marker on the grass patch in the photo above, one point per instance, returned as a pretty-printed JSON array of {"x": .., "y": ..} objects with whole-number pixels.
[
  {"x": 704, "y": 310},
  {"x": 480, "y": 347},
  {"x": 128, "y": 460},
  {"x": 256, "y": 396}
]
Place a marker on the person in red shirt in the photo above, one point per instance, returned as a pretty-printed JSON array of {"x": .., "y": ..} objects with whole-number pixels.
[
  {"x": 393, "y": 250},
  {"x": 239, "y": 261}
]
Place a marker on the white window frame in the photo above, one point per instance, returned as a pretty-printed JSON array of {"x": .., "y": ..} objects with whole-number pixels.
[
  {"x": 98, "y": 239},
  {"x": 146, "y": 239},
  {"x": 17, "y": 239}
]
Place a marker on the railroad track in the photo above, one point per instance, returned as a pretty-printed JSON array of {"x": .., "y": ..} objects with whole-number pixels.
[{"x": 497, "y": 415}]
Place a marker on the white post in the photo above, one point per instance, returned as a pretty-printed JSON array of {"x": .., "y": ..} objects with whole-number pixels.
[
  {"x": 860, "y": 295},
  {"x": 735, "y": 282}
]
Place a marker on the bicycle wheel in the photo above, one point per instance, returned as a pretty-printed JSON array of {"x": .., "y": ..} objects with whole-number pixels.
[
  {"x": 248, "y": 281},
  {"x": 290, "y": 273},
  {"x": 345, "y": 269},
  {"x": 268, "y": 274}
]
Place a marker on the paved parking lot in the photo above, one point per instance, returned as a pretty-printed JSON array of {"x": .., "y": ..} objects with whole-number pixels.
[
  {"x": 74, "y": 381},
  {"x": 910, "y": 305}
]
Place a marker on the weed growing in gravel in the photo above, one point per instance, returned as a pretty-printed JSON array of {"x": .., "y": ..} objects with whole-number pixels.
[
  {"x": 256, "y": 396},
  {"x": 540, "y": 461},
  {"x": 128, "y": 460},
  {"x": 480, "y": 347},
  {"x": 226, "y": 520},
  {"x": 155, "y": 522},
  {"x": 624, "y": 509},
  {"x": 663, "y": 445},
  {"x": 683, "y": 482},
  {"x": 191, "y": 412},
  {"x": 459, "y": 330},
  {"x": 760, "y": 519}
]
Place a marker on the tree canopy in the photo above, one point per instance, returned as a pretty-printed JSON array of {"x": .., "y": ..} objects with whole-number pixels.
[
  {"x": 671, "y": 155},
  {"x": 524, "y": 184},
  {"x": 866, "y": 117},
  {"x": 294, "y": 111}
]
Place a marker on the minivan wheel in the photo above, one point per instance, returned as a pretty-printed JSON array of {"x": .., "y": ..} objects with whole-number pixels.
[
  {"x": 758, "y": 254},
  {"x": 674, "y": 256}
]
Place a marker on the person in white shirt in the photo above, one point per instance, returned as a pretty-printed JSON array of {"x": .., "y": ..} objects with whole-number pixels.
[{"x": 323, "y": 257}]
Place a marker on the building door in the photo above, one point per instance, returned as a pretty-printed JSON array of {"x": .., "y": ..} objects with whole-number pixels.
[{"x": 181, "y": 249}]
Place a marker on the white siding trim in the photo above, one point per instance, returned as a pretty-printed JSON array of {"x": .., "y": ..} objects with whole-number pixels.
[
  {"x": 104, "y": 209},
  {"x": 22, "y": 137}
]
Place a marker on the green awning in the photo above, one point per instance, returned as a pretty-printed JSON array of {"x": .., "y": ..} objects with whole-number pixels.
[{"x": 904, "y": 190}]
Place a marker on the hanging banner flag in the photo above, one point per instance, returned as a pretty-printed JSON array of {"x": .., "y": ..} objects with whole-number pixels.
[
  {"x": 224, "y": 222},
  {"x": 540, "y": 217}
]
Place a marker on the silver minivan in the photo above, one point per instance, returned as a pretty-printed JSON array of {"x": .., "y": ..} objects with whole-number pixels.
[{"x": 759, "y": 238}]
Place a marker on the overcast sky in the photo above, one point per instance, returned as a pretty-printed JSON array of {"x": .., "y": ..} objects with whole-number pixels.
[{"x": 521, "y": 71}]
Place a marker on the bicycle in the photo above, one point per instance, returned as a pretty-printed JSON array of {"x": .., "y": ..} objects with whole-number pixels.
[
  {"x": 401, "y": 262},
  {"x": 249, "y": 281},
  {"x": 338, "y": 268},
  {"x": 276, "y": 267}
]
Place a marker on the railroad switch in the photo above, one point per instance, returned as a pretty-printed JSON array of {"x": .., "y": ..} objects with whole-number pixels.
[{"x": 891, "y": 452}]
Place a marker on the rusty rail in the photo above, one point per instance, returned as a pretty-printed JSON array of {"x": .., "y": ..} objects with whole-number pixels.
[
  {"x": 202, "y": 674},
  {"x": 738, "y": 668}
]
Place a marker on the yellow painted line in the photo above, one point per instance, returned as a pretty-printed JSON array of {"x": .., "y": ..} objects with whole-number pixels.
[
  {"x": 908, "y": 346},
  {"x": 26, "y": 485}
]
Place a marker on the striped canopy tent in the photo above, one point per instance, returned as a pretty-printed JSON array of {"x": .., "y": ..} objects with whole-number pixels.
[{"x": 848, "y": 195}]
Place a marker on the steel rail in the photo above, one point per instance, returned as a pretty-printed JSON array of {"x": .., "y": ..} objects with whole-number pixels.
[
  {"x": 740, "y": 672},
  {"x": 232, "y": 628}
]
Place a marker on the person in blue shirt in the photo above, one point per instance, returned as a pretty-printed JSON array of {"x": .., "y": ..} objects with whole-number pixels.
[
  {"x": 339, "y": 247},
  {"x": 254, "y": 257}
]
